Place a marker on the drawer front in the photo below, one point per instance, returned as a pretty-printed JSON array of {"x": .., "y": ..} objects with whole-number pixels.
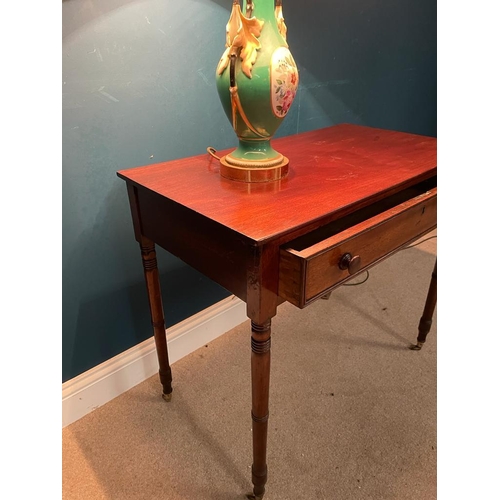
[{"x": 308, "y": 273}]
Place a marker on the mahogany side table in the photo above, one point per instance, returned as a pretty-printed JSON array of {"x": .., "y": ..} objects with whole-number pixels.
[{"x": 353, "y": 196}]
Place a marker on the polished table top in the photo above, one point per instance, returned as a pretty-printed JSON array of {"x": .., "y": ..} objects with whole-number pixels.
[{"x": 333, "y": 171}]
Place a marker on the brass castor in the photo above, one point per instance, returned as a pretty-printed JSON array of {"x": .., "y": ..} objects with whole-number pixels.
[
  {"x": 251, "y": 496},
  {"x": 167, "y": 397},
  {"x": 416, "y": 347}
]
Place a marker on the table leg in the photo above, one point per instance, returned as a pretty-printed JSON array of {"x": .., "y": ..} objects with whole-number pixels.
[
  {"x": 261, "y": 365},
  {"x": 156, "y": 308},
  {"x": 426, "y": 319}
]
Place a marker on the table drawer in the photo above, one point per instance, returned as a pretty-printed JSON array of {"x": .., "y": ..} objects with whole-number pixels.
[{"x": 322, "y": 260}]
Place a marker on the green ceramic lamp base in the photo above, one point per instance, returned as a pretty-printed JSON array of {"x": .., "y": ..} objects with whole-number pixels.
[{"x": 254, "y": 161}]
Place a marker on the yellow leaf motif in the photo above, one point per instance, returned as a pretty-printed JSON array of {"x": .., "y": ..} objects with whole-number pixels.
[
  {"x": 278, "y": 12},
  {"x": 241, "y": 38}
]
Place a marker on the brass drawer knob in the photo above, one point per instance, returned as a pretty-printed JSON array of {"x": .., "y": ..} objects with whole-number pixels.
[{"x": 352, "y": 264}]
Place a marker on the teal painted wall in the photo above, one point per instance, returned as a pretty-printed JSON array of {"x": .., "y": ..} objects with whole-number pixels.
[{"x": 138, "y": 88}]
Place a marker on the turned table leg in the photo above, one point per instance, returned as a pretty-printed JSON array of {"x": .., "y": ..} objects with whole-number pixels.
[
  {"x": 426, "y": 319},
  {"x": 156, "y": 307},
  {"x": 261, "y": 365}
]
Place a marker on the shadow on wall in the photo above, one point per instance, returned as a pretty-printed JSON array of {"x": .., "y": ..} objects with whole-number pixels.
[
  {"x": 365, "y": 62},
  {"x": 127, "y": 101},
  {"x": 92, "y": 339},
  {"x": 106, "y": 320}
]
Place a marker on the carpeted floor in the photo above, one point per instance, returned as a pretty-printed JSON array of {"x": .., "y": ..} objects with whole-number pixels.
[{"x": 352, "y": 409}]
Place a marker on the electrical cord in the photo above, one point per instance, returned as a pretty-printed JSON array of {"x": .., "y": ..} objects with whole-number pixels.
[
  {"x": 211, "y": 151},
  {"x": 359, "y": 282},
  {"x": 406, "y": 248},
  {"x": 420, "y": 242}
]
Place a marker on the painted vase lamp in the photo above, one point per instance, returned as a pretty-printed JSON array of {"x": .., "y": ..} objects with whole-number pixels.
[{"x": 257, "y": 80}]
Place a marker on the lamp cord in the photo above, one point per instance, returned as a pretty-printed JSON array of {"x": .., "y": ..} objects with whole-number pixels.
[
  {"x": 211, "y": 151},
  {"x": 405, "y": 248}
]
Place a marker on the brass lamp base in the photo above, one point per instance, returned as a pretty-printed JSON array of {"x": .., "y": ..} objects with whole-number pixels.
[{"x": 256, "y": 171}]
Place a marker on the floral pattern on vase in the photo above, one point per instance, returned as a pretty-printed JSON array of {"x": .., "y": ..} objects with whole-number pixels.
[{"x": 284, "y": 81}]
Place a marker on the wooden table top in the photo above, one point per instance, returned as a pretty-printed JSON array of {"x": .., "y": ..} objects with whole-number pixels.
[{"x": 334, "y": 170}]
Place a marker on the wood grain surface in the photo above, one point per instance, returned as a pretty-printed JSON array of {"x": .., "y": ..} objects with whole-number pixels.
[{"x": 333, "y": 171}]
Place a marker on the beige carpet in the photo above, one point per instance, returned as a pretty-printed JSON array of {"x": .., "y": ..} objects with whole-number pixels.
[{"x": 353, "y": 410}]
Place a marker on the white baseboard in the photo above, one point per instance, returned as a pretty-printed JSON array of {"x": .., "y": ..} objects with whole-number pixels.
[{"x": 101, "y": 384}]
